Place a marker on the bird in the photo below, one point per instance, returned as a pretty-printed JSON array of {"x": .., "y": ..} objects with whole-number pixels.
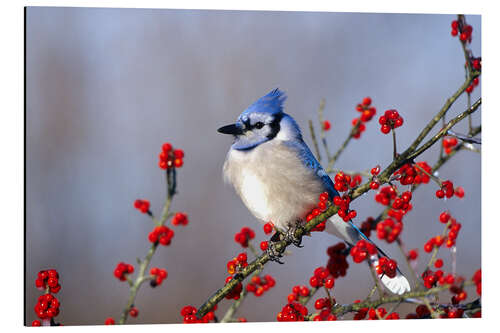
[{"x": 278, "y": 178}]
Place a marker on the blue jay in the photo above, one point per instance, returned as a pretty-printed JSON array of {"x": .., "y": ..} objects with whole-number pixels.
[{"x": 279, "y": 179}]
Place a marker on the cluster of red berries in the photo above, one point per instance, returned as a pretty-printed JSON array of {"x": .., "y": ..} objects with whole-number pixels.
[
  {"x": 325, "y": 306},
  {"x": 344, "y": 212},
  {"x": 142, "y": 205},
  {"x": 387, "y": 266},
  {"x": 244, "y": 236},
  {"x": 445, "y": 190},
  {"x": 453, "y": 230},
  {"x": 297, "y": 292},
  {"x": 403, "y": 201},
  {"x": 367, "y": 111},
  {"x": 398, "y": 214},
  {"x": 361, "y": 313},
  {"x": 343, "y": 181},
  {"x": 459, "y": 294},
  {"x": 470, "y": 88},
  {"x": 47, "y": 307},
  {"x": 476, "y": 63},
  {"x": 376, "y": 314},
  {"x": 337, "y": 260},
  {"x": 449, "y": 142},
  {"x": 409, "y": 174},
  {"x": 159, "y": 275},
  {"x": 169, "y": 157},
  {"x": 432, "y": 278},
  {"x": 48, "y": 278},
  {"x": 236, "y": 264},
  {"x": 464, "y": 29},
  {"x": 390, "y": 120},
  {"x": 122, "y": 269},
  {"x": 258, "y": 286},
  {"x": 180, "y": 219},
  {"x": 362, "y": 250},
  {"x": 375, "y": 183},
  {"x": 325, "y": 315},
  {"x": 386, "y": 195},
  {"x": 268, "y": 227},
  {"x": 360, "y": 128},
  {"x": 189, "y": 314},
  {"x": 477, "y": 281},
  {"x": 293, "y": 311},
  {"x": 436, "y": 241},
  {"x": 322, "y": 277},
  {"x": 236, "y": 291},
  {"x": 326, "y": 125},
  {"x": 389, "y": 230},
  {"x": 321, "y": 207},
  {"x": 451, "y": 236},
  {"x": 161, "y": 234}
]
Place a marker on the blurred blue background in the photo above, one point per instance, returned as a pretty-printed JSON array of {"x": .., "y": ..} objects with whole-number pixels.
[{"x": 106, "y": 87}]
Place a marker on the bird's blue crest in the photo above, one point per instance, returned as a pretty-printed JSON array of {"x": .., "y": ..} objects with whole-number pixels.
[{"x": 272, "y": 103}]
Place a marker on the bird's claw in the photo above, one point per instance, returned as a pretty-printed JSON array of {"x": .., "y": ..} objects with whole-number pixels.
[
  {"x": 290, "y": 236},
  {"x": 273, "y": 253}
]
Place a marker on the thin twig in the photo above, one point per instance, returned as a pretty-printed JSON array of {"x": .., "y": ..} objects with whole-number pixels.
[{"x": 315, "y": 142}]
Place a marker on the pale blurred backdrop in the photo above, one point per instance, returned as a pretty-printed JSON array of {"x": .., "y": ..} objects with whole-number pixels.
[{"x": 106, "y": 87}]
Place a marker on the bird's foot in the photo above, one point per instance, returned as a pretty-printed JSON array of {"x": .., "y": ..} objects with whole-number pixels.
[
  {"x": 273, "y": 253},
  {"x": 292, "y": 238}
]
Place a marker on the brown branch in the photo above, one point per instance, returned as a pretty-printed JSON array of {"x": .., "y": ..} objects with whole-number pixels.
[
  {"x": 443, "y": 131},
  {"x": 343, "y": 309}
]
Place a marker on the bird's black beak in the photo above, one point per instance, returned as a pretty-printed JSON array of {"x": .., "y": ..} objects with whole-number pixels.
[{"x": 230, "y": 129}]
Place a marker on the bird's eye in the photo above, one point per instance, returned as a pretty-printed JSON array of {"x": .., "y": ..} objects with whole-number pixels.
[{"x": 259, "y": 125}]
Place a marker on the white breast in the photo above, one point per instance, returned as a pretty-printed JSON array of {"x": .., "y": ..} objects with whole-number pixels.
[{"x": 273, "y": 183}]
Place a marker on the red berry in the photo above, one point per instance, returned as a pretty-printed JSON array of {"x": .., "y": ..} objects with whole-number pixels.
[
  {"x": 242, "y": 257},
  {"x": 264, "y": 245},
  {"x": 268, "y": 228},
  {"x": 385, "y": 129},
  {"x": 326, "y": 125},
  {"x": 166, "y": 147},
  {"x": 134, "y": 312},
  {"x": 179, "y": 153},
  {"x": 438, "y": 263},
  {"x": 440, "y": 194},
  {"x": 367, "y": 101},
  {"x": 444, "y": 217},
  {"x": 329, "y": 282},
  {"x": 36, "y": 322},
  {"x": 178, "y": 162},
  {"x": 459, "y": 191},
  {"x": 109, "y": 321}
]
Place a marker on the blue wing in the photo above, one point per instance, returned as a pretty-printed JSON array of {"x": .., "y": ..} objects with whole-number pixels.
[{"x": 307, "y": 157}]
